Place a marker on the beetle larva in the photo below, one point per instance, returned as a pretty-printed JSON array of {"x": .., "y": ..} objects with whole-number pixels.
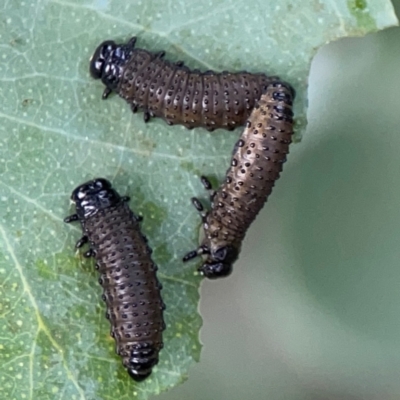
[
  {"x": 256, "y": 163},
  {"x": 127, "y": 274},
  {"x": 172, "y": 91}
]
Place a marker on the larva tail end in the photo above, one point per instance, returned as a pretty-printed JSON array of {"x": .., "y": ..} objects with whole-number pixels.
[{"x": 138, "y": 377}]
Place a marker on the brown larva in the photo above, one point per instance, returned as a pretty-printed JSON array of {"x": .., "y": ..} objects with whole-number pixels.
[
  {"x": 256, "y": 163},
  {"x": 127, "y": 273},
  {"x": 172, "y": 91}
]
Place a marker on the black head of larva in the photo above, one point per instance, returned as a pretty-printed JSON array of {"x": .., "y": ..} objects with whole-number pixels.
[
  {"x": 107, "y": 62},
  {"x": 99, "y": 58},
  {"x": 93, "y": 196},
  {"x": 219, "y": 262}
]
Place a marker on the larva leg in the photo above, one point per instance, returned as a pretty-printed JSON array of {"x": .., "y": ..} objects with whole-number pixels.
[
  {"x": 125, "y": 199},
  {"x": 202, "y": 249},
  {"x": 106, "y": 93},
  {"x": 195, "y": 253},
  {"x": 89, "y": 253},
  {"x": 160, "y": 54},
  {"x": 189, "y": 256},
  {"x": 71, "y": 218},
  {"x": 199, "y": 207},
  {"x": 197, "y": 204},
  {"x": 83, "y": 240},
  {"x": 207, "y": 185},
  {"x": 132, "y": 42},
  {"x": 179, "y": 63},
  {"x": 134, "y": 108},
  {"x": 146, "y": 116}
]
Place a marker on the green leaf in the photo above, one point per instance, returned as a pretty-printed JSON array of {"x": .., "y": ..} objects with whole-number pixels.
[{"x": 57, "y": 132}]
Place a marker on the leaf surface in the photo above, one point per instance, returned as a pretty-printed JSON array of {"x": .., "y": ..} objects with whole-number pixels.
[{"x": 57, "y": 132}]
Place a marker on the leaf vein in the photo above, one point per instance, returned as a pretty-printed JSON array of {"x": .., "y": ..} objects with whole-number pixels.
[{"x": 41, "y": 325}]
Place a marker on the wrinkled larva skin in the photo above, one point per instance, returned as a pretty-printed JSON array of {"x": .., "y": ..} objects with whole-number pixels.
[
  {"x": 172, "y": 91},
  {"x": 127, "y": 274},
  {"x": 256, "y": 163}
]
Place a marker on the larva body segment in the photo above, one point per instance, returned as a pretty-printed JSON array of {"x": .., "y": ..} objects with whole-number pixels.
[
  {"x": 256, "y": 163},
  {"x": 127, "y": 274},
  {"x": 175, "y": 93}
]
